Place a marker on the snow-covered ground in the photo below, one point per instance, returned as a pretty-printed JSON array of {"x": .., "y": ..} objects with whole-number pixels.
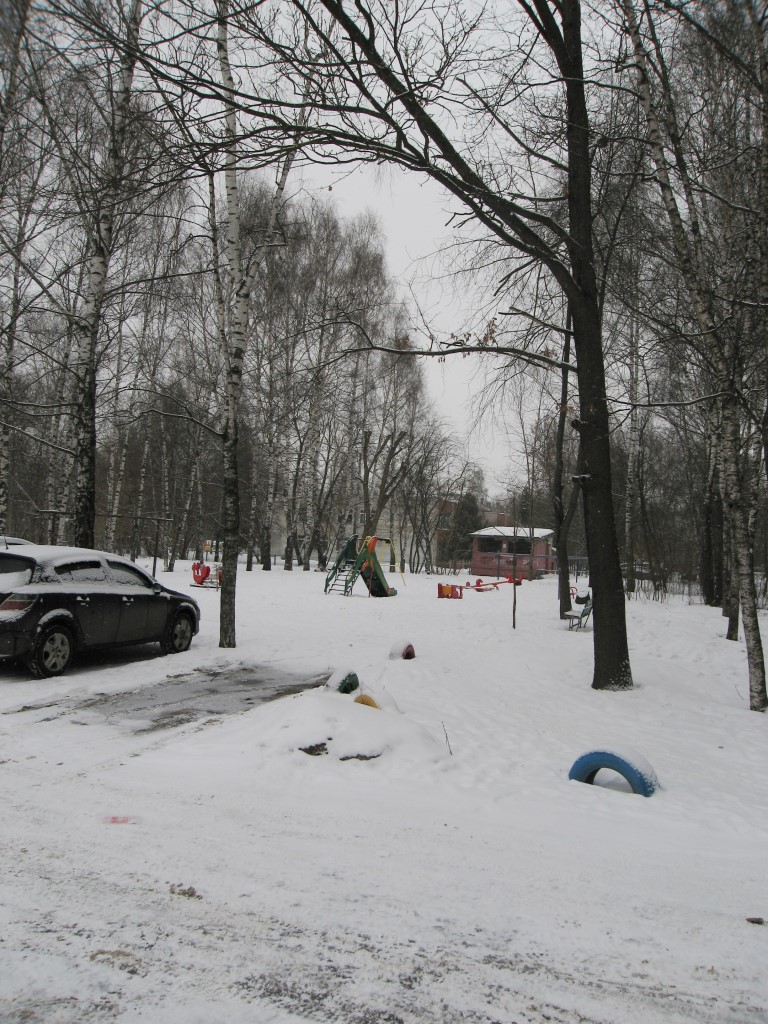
[{"x": 434, "y": 865}]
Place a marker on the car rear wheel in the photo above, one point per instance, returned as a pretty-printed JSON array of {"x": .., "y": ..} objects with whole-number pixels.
[
  {"x": 52, "y": 653},
  {"x": 178, "y": 634}
]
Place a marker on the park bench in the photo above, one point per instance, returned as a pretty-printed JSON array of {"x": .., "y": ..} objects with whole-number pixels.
[{"x": 578, "y": 618}]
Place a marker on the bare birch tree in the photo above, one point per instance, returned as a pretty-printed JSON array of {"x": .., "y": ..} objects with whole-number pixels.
[{"x": 678, "y": 185}]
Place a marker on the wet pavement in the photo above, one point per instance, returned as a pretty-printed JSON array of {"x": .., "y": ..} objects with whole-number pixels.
[{"x": 179, "y": 699}]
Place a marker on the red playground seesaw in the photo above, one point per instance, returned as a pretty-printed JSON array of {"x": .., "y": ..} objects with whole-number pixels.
[
  {"x": 202, "y": 576},
  {"x": 456, "y": 590}
]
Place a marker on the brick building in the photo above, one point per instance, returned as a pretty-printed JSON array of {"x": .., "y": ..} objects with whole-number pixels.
[{"x": 495, "y": 547}]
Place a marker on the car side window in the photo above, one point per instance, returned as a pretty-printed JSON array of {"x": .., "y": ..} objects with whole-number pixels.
[
  {"x": 82, "y": 571},
  {"x": 128, "y": 576},
  {"x": 15, "y": 572}
]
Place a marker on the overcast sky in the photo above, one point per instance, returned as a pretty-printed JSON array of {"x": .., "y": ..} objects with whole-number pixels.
[{"x": 414, "y": 214}]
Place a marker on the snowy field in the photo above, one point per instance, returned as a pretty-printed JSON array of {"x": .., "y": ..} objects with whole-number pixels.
[{"x": 434, "y": 865}]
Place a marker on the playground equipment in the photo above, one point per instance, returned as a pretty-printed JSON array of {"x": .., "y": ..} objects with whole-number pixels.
[
  {"x": 360, "y": 562},
  {"x": 628, "y": 763},
  {"x": 456, "y": 590},
  {"x": 485, "y": 585},
  {"x": 578, "y": 618},
  {"x": 202, "y": 575}
]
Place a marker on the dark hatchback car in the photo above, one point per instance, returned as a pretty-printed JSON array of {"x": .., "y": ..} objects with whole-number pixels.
[{"x": 55, "y": 601}]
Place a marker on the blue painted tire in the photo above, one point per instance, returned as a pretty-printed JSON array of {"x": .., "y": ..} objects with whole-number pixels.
[{"x": 632, "y": 767}]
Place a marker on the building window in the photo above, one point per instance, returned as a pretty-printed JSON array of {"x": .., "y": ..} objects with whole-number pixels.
[
  {"x": 489, "y": 544},
  {"x": 520, "y": 545}
]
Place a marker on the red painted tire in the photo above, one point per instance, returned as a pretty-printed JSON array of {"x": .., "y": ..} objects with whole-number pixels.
[{"x": 402, "y": 651}]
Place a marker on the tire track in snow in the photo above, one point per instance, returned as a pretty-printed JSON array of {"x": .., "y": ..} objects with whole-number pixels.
[{"x": 150, "y": 951}]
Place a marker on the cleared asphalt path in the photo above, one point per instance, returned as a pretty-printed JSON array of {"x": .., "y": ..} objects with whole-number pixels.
[{"x": 179, "y": 699}]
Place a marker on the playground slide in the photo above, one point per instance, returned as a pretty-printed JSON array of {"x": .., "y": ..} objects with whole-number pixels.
[
  {"x": 351, "y": 563},
  {"x": 373, "y": 576}
]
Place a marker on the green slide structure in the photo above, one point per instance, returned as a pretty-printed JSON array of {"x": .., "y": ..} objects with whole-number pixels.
[{"x": 359, "y": 562}]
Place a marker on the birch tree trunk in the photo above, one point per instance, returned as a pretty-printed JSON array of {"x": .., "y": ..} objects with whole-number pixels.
[
  {"x": 757, "y": 24},
  {"x": 182, "y": 528},
  {"x": 13, "y": 64},
  {"x": 253, "y": 517},
  {"x": 19, "y": 15},
  {"x": 136, "y": 542},
  {"x": 199, "y": 551},
  {"x": 731, "y": 582},
  {"x": 114, "y": 461},
  {"x": 232, "y": 332},
  {"x": 58, "y": 471},
  {"x": 265, "y": 540},
  {"x": 290, "y": 507},
  {"x": 165, "y": 495},
  {"x": 711, "y": 573},
  {"x": 310, "y": 500},
  {"x": 88, "y": 319},
  {"x": 115, "y": 489},
  {"x": 6, "y": 391},
  {"x": 312, "y": 460},
  {"x": 633, "y": 461}
]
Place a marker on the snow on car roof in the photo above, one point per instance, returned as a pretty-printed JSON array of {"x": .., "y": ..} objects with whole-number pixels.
[{"x": 49, "y": 552}]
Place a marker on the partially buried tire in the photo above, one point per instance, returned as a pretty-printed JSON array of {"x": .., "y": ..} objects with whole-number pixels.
[
  {"x": 178, "y": 634},
  {"x": 631, "y": 766},
  {"x": 344, "y": 680},
  {"x": 402, "y": 650},
  {"x": 53, "y": 652}
]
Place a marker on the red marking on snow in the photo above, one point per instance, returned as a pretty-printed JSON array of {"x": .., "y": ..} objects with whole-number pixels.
[{"x": 117, "y": 819}]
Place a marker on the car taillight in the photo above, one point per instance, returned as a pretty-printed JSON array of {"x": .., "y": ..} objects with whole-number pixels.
[{"x": 17, "y": 603}]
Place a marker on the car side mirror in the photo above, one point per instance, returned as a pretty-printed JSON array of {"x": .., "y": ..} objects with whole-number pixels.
[{"x": 157, "y": 588}]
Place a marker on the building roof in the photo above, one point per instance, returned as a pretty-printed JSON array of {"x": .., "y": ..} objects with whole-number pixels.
[{"x": 513, "y": 531}]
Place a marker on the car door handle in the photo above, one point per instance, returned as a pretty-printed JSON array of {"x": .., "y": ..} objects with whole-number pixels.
[
  {"x": 83, "y": 600},
  {"x": 127, "y": 600}
]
